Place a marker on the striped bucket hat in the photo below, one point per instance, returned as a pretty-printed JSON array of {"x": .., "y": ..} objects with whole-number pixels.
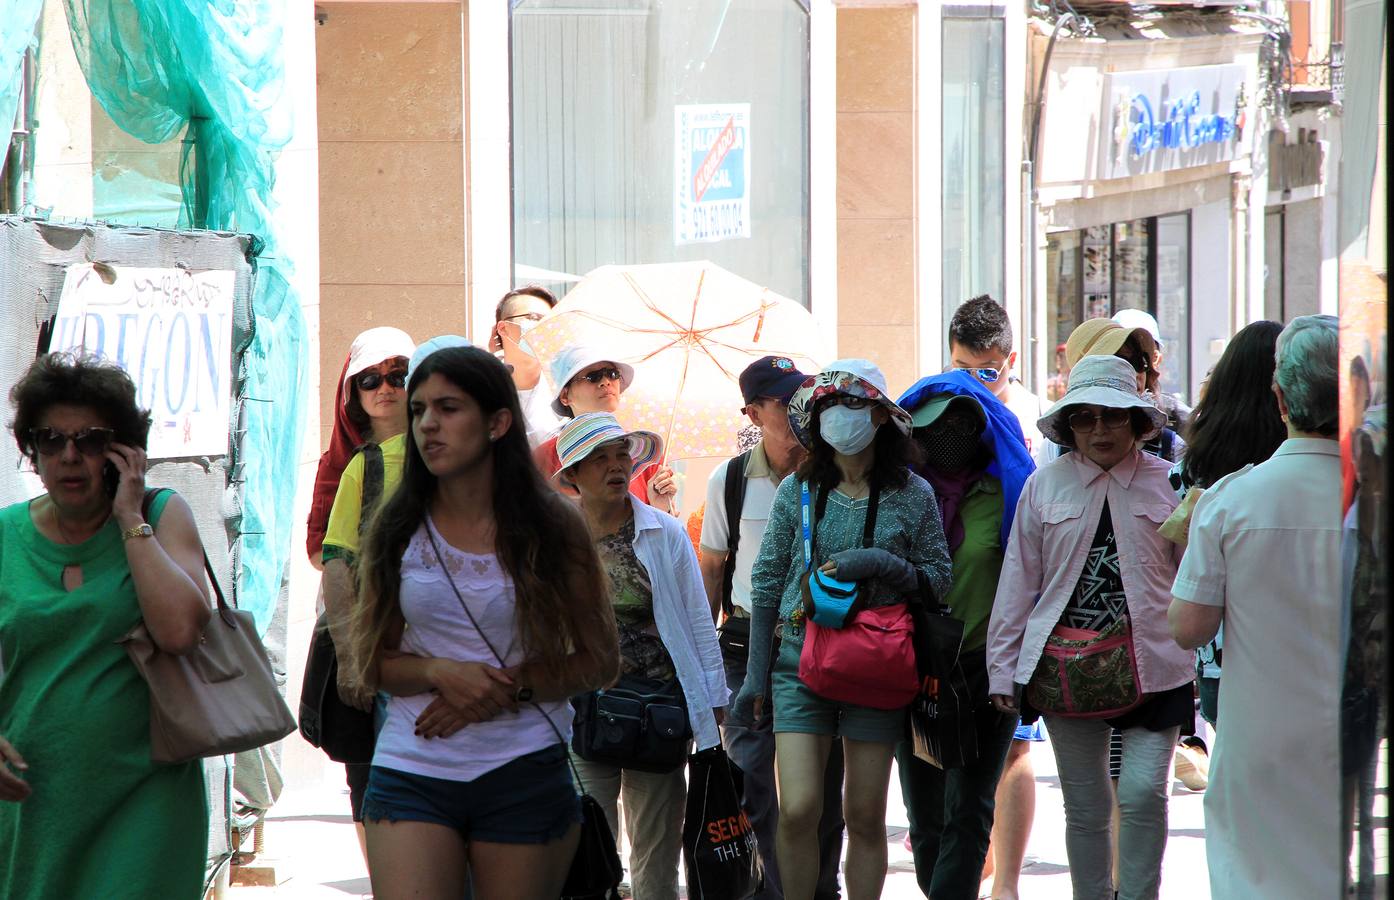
[{"x": 580, "y": 437}]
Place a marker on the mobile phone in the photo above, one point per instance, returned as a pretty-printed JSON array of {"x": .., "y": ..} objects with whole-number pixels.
[{"x": 111, "y": 478}]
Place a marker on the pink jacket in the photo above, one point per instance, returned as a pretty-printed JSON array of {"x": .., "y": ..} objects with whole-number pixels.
[{"x": 1056, "y": 518}]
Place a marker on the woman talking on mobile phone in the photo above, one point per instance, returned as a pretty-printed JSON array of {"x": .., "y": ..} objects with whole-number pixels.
[
  {"x": 482, "y": 608},
  {"x": 80, "y": 566}
]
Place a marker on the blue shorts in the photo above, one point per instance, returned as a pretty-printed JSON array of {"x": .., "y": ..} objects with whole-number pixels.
[
  {"x": 530, "y": 800},
  {"x": 798, "y": 709},
  {"x": 1033, "y": 732}
]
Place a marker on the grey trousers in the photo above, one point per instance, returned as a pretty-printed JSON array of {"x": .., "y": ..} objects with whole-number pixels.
[
  {"x": 653, "y": 810},
  {"x": 1081, "y": 755}
]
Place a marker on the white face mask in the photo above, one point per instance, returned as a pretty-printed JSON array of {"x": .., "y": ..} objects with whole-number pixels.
[{"x": 848, "y": 431}]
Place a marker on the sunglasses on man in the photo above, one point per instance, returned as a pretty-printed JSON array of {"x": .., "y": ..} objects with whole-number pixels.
[
  {"x": 89, "y": 441},
  {"x": 371, "y": 381},
  {"x": 985, "y": 374}
]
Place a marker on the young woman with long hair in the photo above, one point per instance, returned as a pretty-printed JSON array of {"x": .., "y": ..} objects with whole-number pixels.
[
  {"x": 859, "y": 445},
  {"x": 509, "y": 616}
]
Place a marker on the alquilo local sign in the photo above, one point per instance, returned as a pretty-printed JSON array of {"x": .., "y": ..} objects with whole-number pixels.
[
  {"x": 1160, "y": 120},
  {"x": 711, "y": 191},
  {"x": 171, "y": 330}
]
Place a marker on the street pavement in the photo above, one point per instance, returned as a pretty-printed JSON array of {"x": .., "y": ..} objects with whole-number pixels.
[{"x": 310, "y": 840}]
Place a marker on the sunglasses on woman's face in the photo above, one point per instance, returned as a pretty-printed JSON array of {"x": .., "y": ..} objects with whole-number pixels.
[
  {"x": 849, "y": 401},
  {"x": 89, "y": 441},
  {"x": 599, "y": 375},
  {"x": 1083, "y": 421},
  {"x": 371, "y": 381}
]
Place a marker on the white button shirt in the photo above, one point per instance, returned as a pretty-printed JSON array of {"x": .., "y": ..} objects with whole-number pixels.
[{"x": 1265, "y": 545}]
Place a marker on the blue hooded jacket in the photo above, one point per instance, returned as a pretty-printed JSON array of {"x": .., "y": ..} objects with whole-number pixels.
[{"x": 1011, "y": 464}]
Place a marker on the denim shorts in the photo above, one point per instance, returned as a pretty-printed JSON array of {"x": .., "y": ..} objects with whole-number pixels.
[
  {"x": 798, "y": 709},
  {"x": 530, "y": 800}
]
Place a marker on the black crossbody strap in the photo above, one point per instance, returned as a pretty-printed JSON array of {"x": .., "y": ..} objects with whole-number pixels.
[
  {"x": 734, "y": 497},
  {"x": 868, "y": 526},
  {"x": 430, "y": 533},
  {"x": 373, "y": 475}
]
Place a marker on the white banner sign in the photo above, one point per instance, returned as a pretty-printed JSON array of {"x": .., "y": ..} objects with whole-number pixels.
[
  {"x": 711, "y": 195},
  {"x": 171, "y": 330},
  {"x": 1172, "y": 119}
]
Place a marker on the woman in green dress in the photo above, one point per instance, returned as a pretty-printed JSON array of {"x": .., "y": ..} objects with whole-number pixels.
[{"x": 83, "y": 810}]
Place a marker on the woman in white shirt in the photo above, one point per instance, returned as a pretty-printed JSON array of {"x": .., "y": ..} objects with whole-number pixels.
[
  {"x": 667, "y": 638},
  {"x": 482, "y": 609}
]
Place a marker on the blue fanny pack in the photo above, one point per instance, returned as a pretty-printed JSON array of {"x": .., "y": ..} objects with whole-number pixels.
[{"x": 831, "y": 602}]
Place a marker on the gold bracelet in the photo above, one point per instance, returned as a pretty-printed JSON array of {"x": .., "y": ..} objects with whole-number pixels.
[{"x": 143, "y": 530}]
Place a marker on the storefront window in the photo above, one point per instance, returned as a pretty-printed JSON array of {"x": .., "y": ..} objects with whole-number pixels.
[
  {"x": 974, "y": 168},
  {"x": 1140, "y": 264},
  {"x": 648, "y": 132}
]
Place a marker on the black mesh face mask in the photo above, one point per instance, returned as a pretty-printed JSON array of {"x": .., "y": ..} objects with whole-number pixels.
[{"x": 952, "y": 443}]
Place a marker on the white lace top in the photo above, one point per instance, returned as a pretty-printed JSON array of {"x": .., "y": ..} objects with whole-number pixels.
[{"x": 438, "y": 627}]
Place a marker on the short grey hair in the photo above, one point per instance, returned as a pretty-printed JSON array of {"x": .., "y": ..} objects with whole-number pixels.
[{"x": 1306, "y": 371}]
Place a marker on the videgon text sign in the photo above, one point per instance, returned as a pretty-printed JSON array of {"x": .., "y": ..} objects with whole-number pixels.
[
  {"x": 171, "y": 330},
  {"x": 1160, "y": 120}
]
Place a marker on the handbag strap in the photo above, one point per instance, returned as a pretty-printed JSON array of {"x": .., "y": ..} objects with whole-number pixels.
[
  {"x": 450, "y": 579},
  {"x": 145, "y": 504},
  {"x": 810, "y": 519}
]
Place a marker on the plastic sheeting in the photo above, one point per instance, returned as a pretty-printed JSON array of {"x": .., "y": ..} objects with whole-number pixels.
[
  {"x": 19, "y": 20},
  {"x": 212, "y": 69}
]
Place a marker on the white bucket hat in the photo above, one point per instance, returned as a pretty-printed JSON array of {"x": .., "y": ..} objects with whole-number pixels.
[
  {"x": 1107, "y": 381},
  {"x": 576, "y": 358},
  {"x": 376, "y": 345}
]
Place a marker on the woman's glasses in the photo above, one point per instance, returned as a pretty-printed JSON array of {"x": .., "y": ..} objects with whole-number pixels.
[
  {"x": 849, "y": 401},
  {"x": 1084, "y": 421},
  {"x": 599, "y": 375},
  {"x": 89, "y": 441},
  {"x": 371, "y": 381}
]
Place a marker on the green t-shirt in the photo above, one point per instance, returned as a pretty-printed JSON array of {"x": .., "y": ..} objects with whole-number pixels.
[{"x": 978, "y": 560}]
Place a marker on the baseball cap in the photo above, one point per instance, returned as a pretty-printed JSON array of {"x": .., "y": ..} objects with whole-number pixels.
[
  {"x": 770, "y": 376},
  {"x": 930, "y": 411}
]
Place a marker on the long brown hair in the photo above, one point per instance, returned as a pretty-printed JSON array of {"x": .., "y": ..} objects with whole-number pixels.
[{"x": 562, "y": 595}]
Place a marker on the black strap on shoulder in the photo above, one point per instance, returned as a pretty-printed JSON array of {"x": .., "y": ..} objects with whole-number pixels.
[
  {"x": 868, "y": 526},
  {"x": 735, "y": 502},
  {"x": 372, "y": 483}
]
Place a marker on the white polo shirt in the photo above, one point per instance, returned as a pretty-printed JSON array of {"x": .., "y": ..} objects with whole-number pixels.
[{"x": 760, "y": 485}]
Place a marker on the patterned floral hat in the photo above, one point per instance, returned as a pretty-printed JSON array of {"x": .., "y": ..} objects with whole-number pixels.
[{"x": 853, "y": 377}]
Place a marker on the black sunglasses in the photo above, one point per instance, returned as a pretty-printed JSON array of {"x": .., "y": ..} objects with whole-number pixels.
[
  {"x": 89, "y": 441},
  {"x": 599, "y": 374},
  {"x": 1084, "y": 420},
  {"x": 371, "y": 381}
]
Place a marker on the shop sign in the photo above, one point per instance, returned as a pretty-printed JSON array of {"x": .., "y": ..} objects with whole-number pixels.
[
  {"x": 1173, "y": 119},
  {"x": 711, "y": 195},
  {"x": 171, "y": 330}
]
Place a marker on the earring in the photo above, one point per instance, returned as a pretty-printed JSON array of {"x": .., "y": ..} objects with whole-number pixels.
[{"x": 493, "y": 437}]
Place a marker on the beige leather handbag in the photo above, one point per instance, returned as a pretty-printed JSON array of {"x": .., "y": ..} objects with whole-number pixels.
[{"x": 221, "y": 698}]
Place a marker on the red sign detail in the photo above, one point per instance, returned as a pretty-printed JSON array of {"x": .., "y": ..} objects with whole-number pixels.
[{"x": 702, "y": 178}]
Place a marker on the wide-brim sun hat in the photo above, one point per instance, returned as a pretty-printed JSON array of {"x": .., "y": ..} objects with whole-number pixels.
[
  {"x": 851, "y": 377},
  {"x": 581, "y": 436},
  {"x": 1106, "y": 381},
  {"x": 575, "y": 359},
  {"x": 1103, "y": 337}
]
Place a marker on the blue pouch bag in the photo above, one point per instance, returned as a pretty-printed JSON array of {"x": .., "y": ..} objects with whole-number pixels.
[{"x": 828, "y": 601}]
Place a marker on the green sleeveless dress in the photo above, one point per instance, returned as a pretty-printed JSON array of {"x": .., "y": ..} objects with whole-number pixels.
[{"x": 103, "y": 820}]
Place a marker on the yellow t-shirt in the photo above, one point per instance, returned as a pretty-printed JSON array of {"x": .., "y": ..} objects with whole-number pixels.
[{"x": 341, "y": 537}]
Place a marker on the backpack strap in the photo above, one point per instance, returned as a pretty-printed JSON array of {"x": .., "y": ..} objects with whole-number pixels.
[
  {"x": 372, "y": 483},
  {"x": 735, "y": 503}
]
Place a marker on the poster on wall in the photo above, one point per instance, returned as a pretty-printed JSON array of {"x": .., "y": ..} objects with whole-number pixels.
[
  {"x": 711, "y": 188},
  {"x": 171, "y": 330}
]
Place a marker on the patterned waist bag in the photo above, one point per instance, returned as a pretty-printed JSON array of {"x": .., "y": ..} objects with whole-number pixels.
[{"x": 1086, "y": 674}]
